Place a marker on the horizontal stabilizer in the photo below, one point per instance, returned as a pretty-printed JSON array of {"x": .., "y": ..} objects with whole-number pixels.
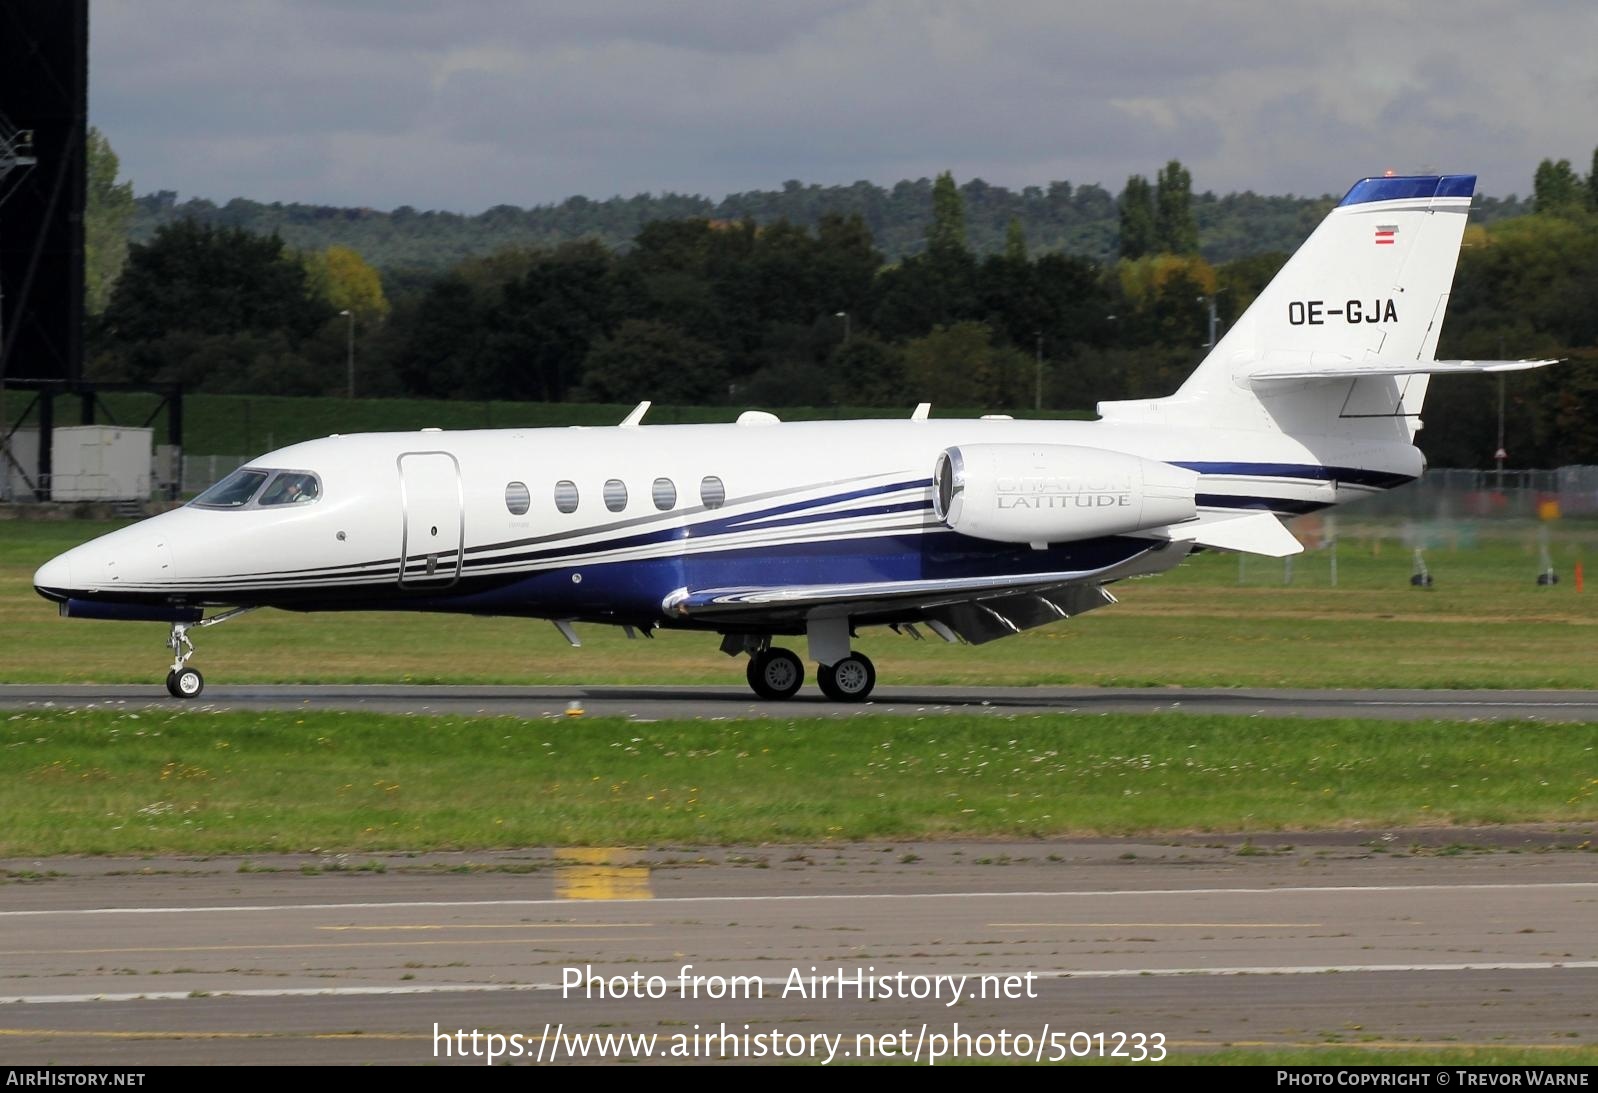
[
  {"x": 1353, "y": 370},
  {"x": 1254, "y": 533}
]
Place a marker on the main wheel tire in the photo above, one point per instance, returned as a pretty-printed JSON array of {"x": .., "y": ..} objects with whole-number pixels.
[
  {"x": 185, "y": 683},
  {"x": 775, "y": 674},
  {"x": 849, "y": 680}
]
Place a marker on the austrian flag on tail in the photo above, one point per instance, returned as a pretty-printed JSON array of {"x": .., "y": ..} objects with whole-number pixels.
[{"x": 1386, "y": 233}]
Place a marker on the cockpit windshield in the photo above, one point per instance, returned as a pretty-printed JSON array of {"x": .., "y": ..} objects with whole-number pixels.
[
  {"x": 292, "y": 487},
  {"x": 243, "y": 489},
  {"x": 233, "y": 492}
]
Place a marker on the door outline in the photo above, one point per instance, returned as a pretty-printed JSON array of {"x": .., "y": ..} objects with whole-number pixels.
[{"x": 405, "y": 526}]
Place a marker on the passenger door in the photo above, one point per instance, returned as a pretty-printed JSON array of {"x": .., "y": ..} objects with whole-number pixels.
[{"x": 433, "y": 504}]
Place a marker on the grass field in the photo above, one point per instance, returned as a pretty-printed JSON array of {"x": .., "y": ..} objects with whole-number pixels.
[
  {"x": 202, "y": 782},
  {"x": 1485, "y": 623}
]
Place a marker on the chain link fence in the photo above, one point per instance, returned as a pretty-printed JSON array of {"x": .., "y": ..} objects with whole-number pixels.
[{"x": 1445, "y": 493}]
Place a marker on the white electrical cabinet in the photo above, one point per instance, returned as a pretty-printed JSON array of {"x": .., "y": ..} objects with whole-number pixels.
[
  {"x": 21, "y": 470},
  {"x": 100, "y": 463}
]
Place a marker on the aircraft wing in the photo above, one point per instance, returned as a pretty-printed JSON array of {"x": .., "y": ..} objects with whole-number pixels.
[{"x": 974, "y": 610}]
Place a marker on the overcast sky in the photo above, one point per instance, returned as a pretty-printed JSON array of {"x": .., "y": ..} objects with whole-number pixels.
[{"x": 465, "y": 104}]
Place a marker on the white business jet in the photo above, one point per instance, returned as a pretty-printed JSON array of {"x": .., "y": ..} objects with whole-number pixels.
[{"x": 969, "y": 530}]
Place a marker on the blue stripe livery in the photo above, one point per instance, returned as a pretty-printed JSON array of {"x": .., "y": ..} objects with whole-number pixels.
[{"x": 1398, "y": 187}]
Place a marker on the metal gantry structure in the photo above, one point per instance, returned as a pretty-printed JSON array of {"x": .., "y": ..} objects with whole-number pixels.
[{"x": 16, "y": 158}]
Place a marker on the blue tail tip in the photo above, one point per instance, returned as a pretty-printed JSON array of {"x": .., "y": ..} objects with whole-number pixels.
[{"x": 1398, "y": 187}]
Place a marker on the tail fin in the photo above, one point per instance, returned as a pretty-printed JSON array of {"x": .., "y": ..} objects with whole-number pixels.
[{"x": 1343, "y": 338}]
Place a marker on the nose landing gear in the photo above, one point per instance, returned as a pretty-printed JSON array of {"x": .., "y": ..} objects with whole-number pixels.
[{"x": 183, "y": 681}]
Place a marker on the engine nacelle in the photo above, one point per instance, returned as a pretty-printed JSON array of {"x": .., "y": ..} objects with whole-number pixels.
[{"x": 1057, "y": 493}]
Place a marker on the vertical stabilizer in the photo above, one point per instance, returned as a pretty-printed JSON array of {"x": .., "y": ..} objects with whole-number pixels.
[{"x": 1370, "y": 284}]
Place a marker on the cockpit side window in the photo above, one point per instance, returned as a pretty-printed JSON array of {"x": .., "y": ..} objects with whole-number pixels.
[
  {"x": 233, "y": 492},
  {"x": 292, "y": 488}
]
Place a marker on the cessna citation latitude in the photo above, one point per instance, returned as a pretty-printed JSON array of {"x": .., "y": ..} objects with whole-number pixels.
[{"x": 761, "y": 530}]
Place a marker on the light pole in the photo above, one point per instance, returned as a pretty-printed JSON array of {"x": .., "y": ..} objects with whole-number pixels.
[
  {"x": 1215, "y": 319},
  {"x": 350, "y": 347},
  {"x": 1037, "y": 398},
  {"x": 1500, "y": 454},
  {"x": 844, "y": 315}
]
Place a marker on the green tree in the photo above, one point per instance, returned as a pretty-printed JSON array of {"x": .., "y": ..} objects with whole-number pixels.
[
  {"x": 847, "y": 263},
  {"x": 947, "y": 233},
  {"x": 1175, "y": 230},
  {"x": 649, "y": 360},
  {"x": 348, "y": 282},
  {"x": 1138, "y": 236},
  {"x": 1592, "y": 183},
  {"x": 107, "y": 214},
  {"x": 442, "y": 352},
  {"x": 218, "y": 281},
  {"x": 961, "y": 364},
  {"x": 1015, "y": 241},
  {"x": 867, "y": 372},
  {"x": 1556, "y": 187},
  {"x": 196, "y": 279},
  {"x": 548, "y": 320}
]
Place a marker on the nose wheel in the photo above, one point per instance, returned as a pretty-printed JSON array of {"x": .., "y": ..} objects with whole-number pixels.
[
  {"x": 184, "y": 682},
  {"x": 848, "y": 680}
]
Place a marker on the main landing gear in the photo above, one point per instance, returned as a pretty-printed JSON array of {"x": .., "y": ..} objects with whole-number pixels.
[
  {"x": 183, "y": 681},
  {"x": 776, "y": 674},
  {"x": 849, "y": 680}
]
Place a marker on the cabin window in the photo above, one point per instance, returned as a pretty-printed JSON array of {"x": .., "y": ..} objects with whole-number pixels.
[
  {"x": 233, "y": 492},
  {"x": 712, "y": 494},
  {"x": 566, "y": 496},
  {"x": 664, "y": 493},
  {"x": 292, "y": 488},
  {"x": 615, "y": 495},
  {"x": 518, "y": 499}
]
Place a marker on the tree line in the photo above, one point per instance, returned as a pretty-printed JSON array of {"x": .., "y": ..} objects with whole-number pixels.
[
  {"x": 712, "y": 310},
  {"x": 1082, "y": 219}
]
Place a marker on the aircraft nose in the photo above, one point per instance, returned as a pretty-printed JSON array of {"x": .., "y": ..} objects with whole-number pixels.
[{"x": 54, "y": 578}]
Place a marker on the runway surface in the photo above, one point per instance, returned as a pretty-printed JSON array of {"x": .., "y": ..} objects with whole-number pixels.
[
  {"x": 1443, "y": 938},
  {"x": 653, "y": 703}
]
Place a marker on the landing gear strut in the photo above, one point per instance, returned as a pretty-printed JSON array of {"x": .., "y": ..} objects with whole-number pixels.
[{"x": 183, "y": 681}]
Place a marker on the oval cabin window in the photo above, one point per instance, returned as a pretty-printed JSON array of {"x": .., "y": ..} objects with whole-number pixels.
[
  {"x": 712, "y": 494},
  {"x": 664, "y": 493},
  {"x": 517, "y": 498},
  {"x": 566, "y": 496},
  {"x": 615, "y": 495}
]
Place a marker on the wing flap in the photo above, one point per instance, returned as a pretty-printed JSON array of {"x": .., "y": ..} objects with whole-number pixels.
[{"x": 985, "y": 620}]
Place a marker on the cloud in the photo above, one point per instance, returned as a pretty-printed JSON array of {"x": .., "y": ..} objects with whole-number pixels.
[{"x": 389, "y": 102}]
